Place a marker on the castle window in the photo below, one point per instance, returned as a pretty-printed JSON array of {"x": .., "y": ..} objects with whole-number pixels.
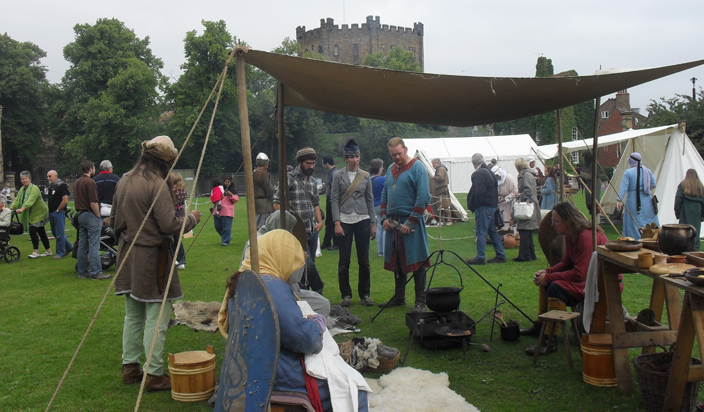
[
  {"x": 355, "y": 49},
  {"x": 336, "y": 50},
  {"x": 604, "y": 115},
  {"x": 320, "y": 49}
]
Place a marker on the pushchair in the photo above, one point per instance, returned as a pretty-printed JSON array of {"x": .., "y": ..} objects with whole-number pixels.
[
  {"x": 108, "y": 242},
  {"x": 11, "y": 254}
]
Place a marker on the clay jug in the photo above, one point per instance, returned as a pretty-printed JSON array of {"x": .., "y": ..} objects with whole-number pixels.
[{"x": 675, "y": 239}]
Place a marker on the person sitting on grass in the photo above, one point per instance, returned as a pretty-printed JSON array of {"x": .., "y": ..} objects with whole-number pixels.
[{"x": 562, "y": 285}]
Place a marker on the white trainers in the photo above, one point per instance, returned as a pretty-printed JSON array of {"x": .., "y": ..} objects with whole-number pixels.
[
  {"x": 182, "y": 266},
  {"x": 46, "y": 254},
  {"x": 34, "y": 255}
]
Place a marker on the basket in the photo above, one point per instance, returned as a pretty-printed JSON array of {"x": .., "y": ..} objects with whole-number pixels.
[
  {"x": 385, "y": 365},
  {"x": 653, "y": 371}
]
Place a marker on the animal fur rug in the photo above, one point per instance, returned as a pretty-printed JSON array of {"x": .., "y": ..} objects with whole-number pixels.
[
  {"x": 408, "y": 390},
  {"x": 196, "y": 315}
]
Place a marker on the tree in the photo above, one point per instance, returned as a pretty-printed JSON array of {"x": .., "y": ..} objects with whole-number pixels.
[
  {"x": 397, "y": 59},
  {"x": 681, "y": 108},
  {"x": 23, "y": 86},
  {"x": 107, "y": 102}
]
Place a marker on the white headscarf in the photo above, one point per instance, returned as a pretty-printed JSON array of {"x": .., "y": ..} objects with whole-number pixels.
[{"x": 501, "y": 172}]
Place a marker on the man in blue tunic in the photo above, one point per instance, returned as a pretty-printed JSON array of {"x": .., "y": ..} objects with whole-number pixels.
[{"x": 404, "y": 200}]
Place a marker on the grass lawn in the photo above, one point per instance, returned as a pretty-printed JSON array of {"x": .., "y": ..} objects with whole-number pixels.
[{"x": 57, "y": 308}]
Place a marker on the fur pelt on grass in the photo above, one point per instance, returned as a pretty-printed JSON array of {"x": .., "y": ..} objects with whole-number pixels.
[
  {"x": 196, "y": 315},
  {"x": 408, "y": 390}
]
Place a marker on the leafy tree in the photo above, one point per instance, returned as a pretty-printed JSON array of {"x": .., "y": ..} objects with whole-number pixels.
[
  {"x": 23, "y": 86},
  {"x": 206, "y": 55},
  {"x": 397, "y": 59},
  {"x": 681, "y": 108},
  {"x": 544, "y": 68},
  {"x": 106, "y": 104}
]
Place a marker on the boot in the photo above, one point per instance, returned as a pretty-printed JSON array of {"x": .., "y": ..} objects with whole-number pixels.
[
  {"x": 533, "y": 330},
  {"x": 420, "y": 302},
  {"x": 158, "y": 383},
  {"x": 399, "y": 298},
  {"x": 419, "y": 288},
  {"x": 543, "y": 347},
  {"x": 131, "y": 373}
]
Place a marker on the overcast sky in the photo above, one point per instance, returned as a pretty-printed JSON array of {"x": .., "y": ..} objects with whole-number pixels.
[{"x": 463, "y": 37}]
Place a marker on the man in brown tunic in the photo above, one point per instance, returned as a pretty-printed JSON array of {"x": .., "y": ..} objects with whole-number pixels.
[
  {"x": 144, "y": 273},
  {"x": 441, "y": 193},
  {"x": 263, "y": 190}
]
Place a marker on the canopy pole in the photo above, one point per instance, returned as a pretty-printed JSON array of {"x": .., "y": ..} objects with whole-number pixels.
[
  {"x": 595, "y": 171},
  {"x": 560, "y": 164},
  {"x": 247, "y": 155},
  {"x": 283, "y": 173}
]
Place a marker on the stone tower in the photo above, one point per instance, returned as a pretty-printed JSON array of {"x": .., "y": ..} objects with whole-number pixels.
[{"x": 352, "y": 44}]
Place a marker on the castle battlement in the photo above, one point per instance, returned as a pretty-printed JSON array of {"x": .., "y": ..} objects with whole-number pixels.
[{"x": 372, "y": 23}]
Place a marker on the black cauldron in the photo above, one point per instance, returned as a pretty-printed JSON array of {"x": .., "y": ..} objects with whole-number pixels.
[
  {"x": 511, "y": 331},
  {"x": 443, "y": 299}
]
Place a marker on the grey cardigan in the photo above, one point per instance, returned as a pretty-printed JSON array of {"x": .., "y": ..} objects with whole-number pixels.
[
  {"x": 361, "y": 201},
  {"x": 528, "y": 193}
]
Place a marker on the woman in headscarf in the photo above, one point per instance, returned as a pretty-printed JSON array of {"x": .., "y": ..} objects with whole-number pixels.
[
  {"x": 281, "y": 257},
  {"x": 528, "y": 193},
  {"x": 549, "y": 191},
  {"x": 689, "y": 203},
  {"x": 637, "y": 190},
  {"x": 508, "y": 191}
]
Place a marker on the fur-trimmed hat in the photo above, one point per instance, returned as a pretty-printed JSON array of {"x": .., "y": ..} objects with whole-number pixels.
[
  {"x": 161, "y": 147},
  {"x": 307, "y": 153},
  {"x": 351, "y": 148}
]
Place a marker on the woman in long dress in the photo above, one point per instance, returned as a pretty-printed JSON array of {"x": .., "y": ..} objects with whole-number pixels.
[
  {"x": 689, "y": 202},
  {"x": 508, "y": 192},
  {"x": 527, "y": 190},
  {"x": 637, "y": 190},
  {"x": 549, "y": 191}
]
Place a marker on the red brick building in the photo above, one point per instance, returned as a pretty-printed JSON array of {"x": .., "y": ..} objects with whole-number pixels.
[{"x": 616, "y": 116}]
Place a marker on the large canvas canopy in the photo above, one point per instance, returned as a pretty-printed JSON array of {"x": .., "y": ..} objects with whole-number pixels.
[
  {"x": 666, "y": 150},
  {"x": 456, "y": 153},
  {"x": 438, "y": 99}
]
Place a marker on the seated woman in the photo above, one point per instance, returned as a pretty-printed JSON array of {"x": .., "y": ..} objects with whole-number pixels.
[
  {"x": 280, "y": 257},
  {"x": 563, "y": 284},
  {"x": 5, "y": 218}
]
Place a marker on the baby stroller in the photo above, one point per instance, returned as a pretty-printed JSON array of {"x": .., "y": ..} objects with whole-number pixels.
[
  {"x": 11, "y": 254},
  {"x": 108, "y": 242}
]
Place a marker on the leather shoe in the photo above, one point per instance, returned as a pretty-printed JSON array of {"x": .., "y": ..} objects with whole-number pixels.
[
  {"x": 519, "y": 259},
  {"x": 131, "y": 373},
  {"x": 392, "y": 303},
  {"x": 543, "y": 348},
  {"x": 346, "y": 301},
  {"x": 158, "y": 383},
  {"x": 367, "y": 301},
  {"x": 332, "y": 248},
  {"x": 475, "y": 261},
  {"x": 419, "y": 307},
  {"x": 534, "y": 330}
]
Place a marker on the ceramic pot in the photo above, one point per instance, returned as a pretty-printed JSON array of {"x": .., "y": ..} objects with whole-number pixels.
[{"x": 675, "y": 239}]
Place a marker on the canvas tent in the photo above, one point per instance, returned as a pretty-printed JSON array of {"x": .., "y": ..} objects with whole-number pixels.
[
  {"x": 456, "y": 153},
  {"x": 458, "y": 211},
  {"x": 666, "y": 150}
]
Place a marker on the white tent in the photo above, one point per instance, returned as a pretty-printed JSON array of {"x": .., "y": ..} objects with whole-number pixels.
[
  {"x": 456, "y": 153},
  {"x": 666, "y": 150},
  {"x": 457, "y": 208}
]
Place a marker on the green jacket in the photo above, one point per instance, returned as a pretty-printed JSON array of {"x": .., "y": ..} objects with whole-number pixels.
[{"x": 32, "y": 203}]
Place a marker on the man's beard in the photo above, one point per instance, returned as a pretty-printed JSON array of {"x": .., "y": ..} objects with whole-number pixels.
[{"x": 308, "y": 172}]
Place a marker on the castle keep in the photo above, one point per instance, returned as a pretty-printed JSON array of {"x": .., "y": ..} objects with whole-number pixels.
[{"x": 352, "y": 44}]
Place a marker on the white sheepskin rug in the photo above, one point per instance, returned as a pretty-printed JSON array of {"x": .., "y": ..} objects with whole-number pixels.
[{"x": 408, "y": 389}]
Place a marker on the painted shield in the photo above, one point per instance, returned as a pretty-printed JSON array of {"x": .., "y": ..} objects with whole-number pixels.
[{"x": 252, "y": 350}]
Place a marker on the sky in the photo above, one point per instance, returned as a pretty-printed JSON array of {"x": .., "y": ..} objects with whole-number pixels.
[{"x": 463, "y": 37}]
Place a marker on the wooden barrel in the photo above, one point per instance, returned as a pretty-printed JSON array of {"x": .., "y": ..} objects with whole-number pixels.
[
  {"x": 598, "y": 360},
  {"x": 192, "y": 375}
]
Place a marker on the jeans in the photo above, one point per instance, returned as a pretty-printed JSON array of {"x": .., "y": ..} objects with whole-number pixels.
[
  {"x": 379, "y": 232},
  {"x": 57, "y": 222},
  {"x": 361, "y": 232},
  {"x": 484, "y": 220},
  {"x": 88, "y": 256},
  {"x": 223, "y": 225},
  {"x": 312, "y": 280},
  {"x": 138, "y": 332}
]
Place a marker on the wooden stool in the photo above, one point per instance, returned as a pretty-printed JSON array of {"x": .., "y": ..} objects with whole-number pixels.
[{"x": 555, "y": 316}]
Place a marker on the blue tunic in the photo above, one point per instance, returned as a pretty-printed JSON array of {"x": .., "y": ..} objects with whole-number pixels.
[
  {"x": 548, "y": 191},
  {"x": 647, "y": 214},
  {"x": 405, "y": 200}
]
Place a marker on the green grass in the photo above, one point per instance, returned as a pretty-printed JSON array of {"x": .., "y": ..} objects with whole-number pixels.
[{"x": 46, "y": 310}]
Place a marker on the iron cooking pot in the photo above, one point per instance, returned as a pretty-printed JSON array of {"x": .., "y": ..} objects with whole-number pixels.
[
  {"x": 511, "y": 331},
  {"x": 443, "y": 299}
]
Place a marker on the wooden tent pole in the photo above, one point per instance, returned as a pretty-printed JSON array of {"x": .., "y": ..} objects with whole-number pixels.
[
  {"x": 595, "y": 171},
  {"x": 247, "y": 155},
  {"x": 283, "y": 173},
  {"x": 559, "y": 150}
]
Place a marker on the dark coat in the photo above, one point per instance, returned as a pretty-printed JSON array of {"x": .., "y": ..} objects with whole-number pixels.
[{"x": 484, "y": 191}]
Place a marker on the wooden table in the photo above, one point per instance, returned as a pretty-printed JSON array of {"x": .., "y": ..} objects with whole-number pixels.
[{"x": 689, "y": 319}]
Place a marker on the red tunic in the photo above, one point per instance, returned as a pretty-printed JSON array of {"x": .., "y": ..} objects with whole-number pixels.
[{"x": 571, "y": 273}]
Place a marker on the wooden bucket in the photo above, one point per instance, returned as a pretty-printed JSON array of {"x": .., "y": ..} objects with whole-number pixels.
[
  {"x": 598, "y": 360},
  {"x": 192, "y": 375}
]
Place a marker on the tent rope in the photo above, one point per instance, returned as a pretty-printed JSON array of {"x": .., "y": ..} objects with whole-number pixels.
[{"x": 129, "y": 250}]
